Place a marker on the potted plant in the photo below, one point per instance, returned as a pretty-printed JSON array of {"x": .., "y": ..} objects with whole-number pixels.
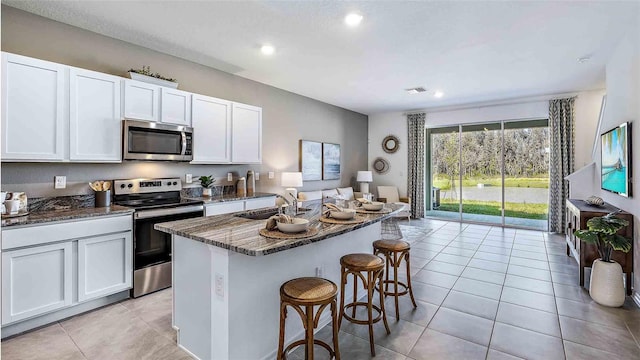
[
  {"x": 606, "y": 286},
  {"x": 146, "y": 75},
  {"x": 206, "y": 182}
]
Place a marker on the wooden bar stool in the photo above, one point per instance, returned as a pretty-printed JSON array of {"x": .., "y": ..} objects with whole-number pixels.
[
  {"x": 356, "y": 264},
  {"x": 394, "y": 252},
  {"x": 306, "y": 293}
]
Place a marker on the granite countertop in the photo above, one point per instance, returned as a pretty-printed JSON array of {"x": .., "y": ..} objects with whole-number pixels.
[
  {"x": 241, "y": 235},
  {"x": 48, "y": 216},
  {"x": 229, "y": 197}
]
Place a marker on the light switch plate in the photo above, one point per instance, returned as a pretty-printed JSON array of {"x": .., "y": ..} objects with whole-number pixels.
[
  {"x": 60, "y": 182},
  {"x": 257, "y": 176},
  {"x": 229, "y": 177},
  {"x": 271, "y": 175},
  {"x": 188, "y": 178}
]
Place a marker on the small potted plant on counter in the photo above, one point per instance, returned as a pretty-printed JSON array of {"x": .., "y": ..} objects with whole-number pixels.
[
  {"x": 606, "y": 287},
  {"x": 206, "y": 182}
]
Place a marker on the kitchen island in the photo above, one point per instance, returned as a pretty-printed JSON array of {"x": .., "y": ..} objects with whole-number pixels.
[{"x": 226, "y": 279}]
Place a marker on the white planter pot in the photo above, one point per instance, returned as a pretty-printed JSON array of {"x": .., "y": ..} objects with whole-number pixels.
[
  {"x": 153, "y": 80},
  {"x": 206, "y": 192},
  {"x": 607, "y": 287}
]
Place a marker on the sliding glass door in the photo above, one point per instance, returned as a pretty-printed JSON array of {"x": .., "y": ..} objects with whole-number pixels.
[{"x": 495, "y": 173}]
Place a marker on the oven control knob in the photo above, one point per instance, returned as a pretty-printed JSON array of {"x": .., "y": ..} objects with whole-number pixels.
[
  {"x": 121, "y": 186},
  {"x": 175, "y": 183},
  {"x": 168, "y": 183},
  {"x": 130, "y": 186}
]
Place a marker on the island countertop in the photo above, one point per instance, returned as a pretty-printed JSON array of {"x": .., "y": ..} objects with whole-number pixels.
[{"x": 241, "y": 235}]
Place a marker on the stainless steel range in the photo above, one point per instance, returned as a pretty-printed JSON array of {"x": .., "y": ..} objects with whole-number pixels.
[{"x": 155, "y": 201}]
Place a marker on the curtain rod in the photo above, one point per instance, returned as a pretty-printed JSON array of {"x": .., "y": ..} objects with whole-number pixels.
[{"x": 512, "y": 101}]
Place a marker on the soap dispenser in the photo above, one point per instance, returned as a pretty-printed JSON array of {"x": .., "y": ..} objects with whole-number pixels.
[{"x": 251, "y": 183}]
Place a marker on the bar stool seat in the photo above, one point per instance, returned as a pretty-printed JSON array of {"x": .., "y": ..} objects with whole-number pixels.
[
  {"x": 356, "y": 265},
  {"x": 306, "y": 293},
  {"x": 394, "y": 252}
]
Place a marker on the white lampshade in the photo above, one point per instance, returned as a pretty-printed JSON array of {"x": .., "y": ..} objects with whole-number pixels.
[
  {"x": 291, "y": 179},
  {"x": 364, "y": 176}
]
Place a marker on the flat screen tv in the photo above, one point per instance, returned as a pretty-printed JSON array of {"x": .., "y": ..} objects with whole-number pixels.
[{"x": 616, "y": 160}]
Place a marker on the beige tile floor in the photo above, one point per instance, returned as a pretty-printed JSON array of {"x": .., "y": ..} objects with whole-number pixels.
[{"x": 483, "y": 293}]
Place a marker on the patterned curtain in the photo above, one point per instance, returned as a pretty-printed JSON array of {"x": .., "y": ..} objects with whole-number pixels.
[
  {"x": 416, "y": 155},
  {"x": 561, "y": 160}
]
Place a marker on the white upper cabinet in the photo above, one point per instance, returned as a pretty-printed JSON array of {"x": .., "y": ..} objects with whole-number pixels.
[
  {"x": 246, "y": 140},
  {"x": 33, "y": 108},
  {"x": 95, "y": 122},
  {"x": 176, "y": 107},
  {"x": 211, "y": 119},
  {"x": 141, "y": 101}
]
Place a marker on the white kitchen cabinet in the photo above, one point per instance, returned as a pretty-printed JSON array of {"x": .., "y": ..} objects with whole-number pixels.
[
  {"x": 211, "y": 119},
  {"x": 176, "y": 107},
  {"x": 104, "y": 265},
  {"x": 223, "y": 208},
  {"x": 246, "y": 140},
  {"x": 259, "y": 203},
  {"x": 33, "y": 109},
  {"x": 36, "y": 281},
  {"x": 141, "y": 100},
  {"x": 95, "y": 121}
]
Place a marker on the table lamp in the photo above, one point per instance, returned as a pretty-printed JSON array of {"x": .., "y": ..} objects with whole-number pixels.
[
  {"x": 364, "y": 178},
  {"x": 292, "y": 180}
]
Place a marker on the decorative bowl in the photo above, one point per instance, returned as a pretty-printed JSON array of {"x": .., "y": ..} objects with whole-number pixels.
[
  {"x": 345, "y": 214},
  {"x": 373, "y": 206},
  {"x": 298, "y": 225}
]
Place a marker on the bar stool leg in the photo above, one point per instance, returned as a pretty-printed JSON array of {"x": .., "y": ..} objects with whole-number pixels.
[
  {"x": 343, "y": 282},
  {"x": 406, "y": 258},
  {"x": 283, "y": 316},
  {"x": 383, "y": 311},
  {"x": 309, "y": 328},
  {"x": 334, "y": 323},
  {"x": 370, "y": 286},
  {"x": 387, "y": 260},
  {"x": 395, "y": 283},
  {"x": 355, "y": 294}
]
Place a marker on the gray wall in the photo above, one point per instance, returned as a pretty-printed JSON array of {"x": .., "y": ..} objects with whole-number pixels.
[{"x": 287, "y": 117}]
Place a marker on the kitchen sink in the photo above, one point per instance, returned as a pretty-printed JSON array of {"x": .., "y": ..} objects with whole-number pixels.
[{"x": 262, "y": 214}]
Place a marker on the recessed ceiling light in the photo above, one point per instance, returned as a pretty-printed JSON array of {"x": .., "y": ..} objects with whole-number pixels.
[
  {"x": 353, "y": 19},
  {"x": 267, "y": 49},
  {"x": 416, "y": 90},
  {"x": 438, "y": 94}
]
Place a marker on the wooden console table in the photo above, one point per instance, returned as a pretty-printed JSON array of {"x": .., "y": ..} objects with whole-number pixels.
[{"x": 578, "y": 212}]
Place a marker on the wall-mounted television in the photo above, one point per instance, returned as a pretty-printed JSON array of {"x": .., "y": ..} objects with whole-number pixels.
[{"x": 616, "y": 160}]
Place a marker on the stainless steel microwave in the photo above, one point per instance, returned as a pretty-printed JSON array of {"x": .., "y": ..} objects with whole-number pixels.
[{"x": 144, "y": 140}]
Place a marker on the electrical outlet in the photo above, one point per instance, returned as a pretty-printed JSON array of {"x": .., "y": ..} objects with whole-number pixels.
[
  {"x": 271, "y": 175},
  {"x": 188, "y": 178},
  {"x": 229, "y": 177},
  {"x": 220, "y": 285},
  {"x": 257, "y": 176},
  {"x": 60, "y": 182}
]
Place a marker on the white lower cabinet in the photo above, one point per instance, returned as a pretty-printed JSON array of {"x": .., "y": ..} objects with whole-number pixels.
[
  {"x": 104, "y": 265},
  {"x": 223, "y": 208},
  {"x": 36, "y": 281},
  {"x": 260, "y": 203},
  {"x": 41, "y": 264}
]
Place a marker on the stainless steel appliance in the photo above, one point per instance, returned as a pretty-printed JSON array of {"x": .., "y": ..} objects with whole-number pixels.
[
  {"x": 144, "y": 140},
  {"x": 155, "y": 201}
]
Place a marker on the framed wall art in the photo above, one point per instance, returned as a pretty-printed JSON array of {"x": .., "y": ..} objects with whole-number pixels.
[
  {"x": 330, "y": 161},
  {"x": 311, "y": 160}
]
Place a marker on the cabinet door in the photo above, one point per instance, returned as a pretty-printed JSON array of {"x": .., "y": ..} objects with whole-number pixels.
[
  {"x": 260, "y": 203},
  {"x": 223, "y": 208},
  {"x": 33, "y": 101},
  {"x": 104, "y": 265},
  {"x": 35, "y": 281},
  {"x": 94, "y": 117},
  {"x": 211, "y": 119},
  {"x": 141, "y": 101},
  {"x": 176, "y": 107},
  {"x": 246, "y": 143}
]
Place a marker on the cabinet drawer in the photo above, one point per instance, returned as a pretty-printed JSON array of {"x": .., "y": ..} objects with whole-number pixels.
[
  {"x": 224, "y": 208},
  {"x": 43, "y": 234}
]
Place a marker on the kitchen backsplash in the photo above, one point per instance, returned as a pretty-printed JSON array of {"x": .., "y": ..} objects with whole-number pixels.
[{"x": 61, "y": 202}]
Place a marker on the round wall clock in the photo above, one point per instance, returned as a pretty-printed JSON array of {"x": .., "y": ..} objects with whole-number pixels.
[
  {"x": 381, "y": 165},
  {"x": 390, "y": 144}
]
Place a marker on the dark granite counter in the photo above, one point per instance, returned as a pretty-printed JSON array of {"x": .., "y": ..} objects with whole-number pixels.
[
  {"x": 229, "y": 197},
  {"x": 241, "y": 235},
  {"x": 49, "y": 215}
]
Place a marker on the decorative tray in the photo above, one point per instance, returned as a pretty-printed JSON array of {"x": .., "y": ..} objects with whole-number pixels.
[
  {"x": 18, "y": 214},
  {"x": 277, "y": 234},
  {"x": 356, "y": 220}
]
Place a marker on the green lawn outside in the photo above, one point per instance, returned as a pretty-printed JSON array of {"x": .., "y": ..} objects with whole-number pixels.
[
  {"x": 443, "y": 182},
  {"x": 517, "y": 210}
]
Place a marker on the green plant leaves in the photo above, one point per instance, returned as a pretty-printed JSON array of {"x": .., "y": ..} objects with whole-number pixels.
[
  {"x": 606, "y": 224},
  {"x": 587, "y": 235},
  {"x": 620, "y": 243}
]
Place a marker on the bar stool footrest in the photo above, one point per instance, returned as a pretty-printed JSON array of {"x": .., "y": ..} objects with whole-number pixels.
[
  {"x": 391, "y": 282},
  {"x": 303, "y": 342},
  {"x": 364, "y": 304}
]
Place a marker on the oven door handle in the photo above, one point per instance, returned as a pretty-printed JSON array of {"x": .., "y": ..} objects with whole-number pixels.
[{"x": 145, "y": 214}]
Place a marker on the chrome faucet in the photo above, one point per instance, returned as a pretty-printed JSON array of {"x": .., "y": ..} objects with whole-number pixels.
[
  {"x": 293, "y": 205},
  {"x": 278, "y": 196}
]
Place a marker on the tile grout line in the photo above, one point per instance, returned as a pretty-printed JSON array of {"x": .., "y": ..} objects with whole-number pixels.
[
  {"x": 72, "y": 340},
  {"x": 555, "y": 300}
]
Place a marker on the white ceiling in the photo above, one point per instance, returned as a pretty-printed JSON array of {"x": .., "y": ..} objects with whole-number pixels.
[{"x": 472, "y": 51}]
